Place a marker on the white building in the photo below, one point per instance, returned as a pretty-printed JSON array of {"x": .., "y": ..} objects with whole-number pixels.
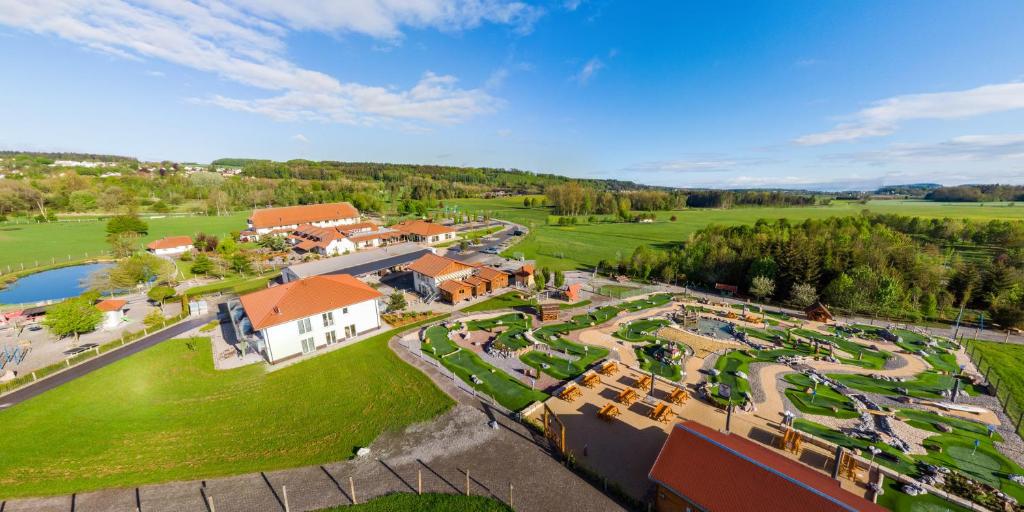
[
  {"x": 302, "y": 316},
  {"x": 288, "y": 218},
  {"x": 113, "y": 312},
  {"x": 170, "y": 245},
  {"x": 424, "y": 232}
]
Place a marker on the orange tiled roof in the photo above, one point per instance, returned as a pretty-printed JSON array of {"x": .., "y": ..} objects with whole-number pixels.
[
  {"x": 111, "y": 304},
  {"x": 288, "y": 215},
  {"x": 305, "y": 297},
  {"x": 735, "y": 473},
  {"x": 170, "y": 242},
  {"x": 454, "y": 286},
  {"x": 489, "y": 273},
  {"x": 432, "y": 265},
  {"x": 422, "y": 228},
  {"x": 351, "y": 229},
  {"x": 525, "y": 269}
]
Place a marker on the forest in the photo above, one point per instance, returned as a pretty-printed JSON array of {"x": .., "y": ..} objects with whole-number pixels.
[
  {"x": 885, "y": 265},
  {"x": 977, "y": 193},
  {"x": 574, "y": 198}
]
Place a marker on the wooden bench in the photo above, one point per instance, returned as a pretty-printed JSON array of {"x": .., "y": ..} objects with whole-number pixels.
[
  {"x": 627, "y": 397},
  {"x": 591, "y": 379},
  {"x": 608, "y": 412}
]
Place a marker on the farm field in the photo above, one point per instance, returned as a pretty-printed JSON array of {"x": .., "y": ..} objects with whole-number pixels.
[
  {"x": 584, "y": 245},
  {"x": 27, "y": 243},
  {"x": 166, "y": 414}
]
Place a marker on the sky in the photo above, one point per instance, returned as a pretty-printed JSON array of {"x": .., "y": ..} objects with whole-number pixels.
[{"x": 820, "y": 94}]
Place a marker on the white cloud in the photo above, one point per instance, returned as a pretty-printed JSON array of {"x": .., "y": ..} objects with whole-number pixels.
[
  {"x": 572, "y": 5},
  {"x": 298, "y": 137},
  {"x": 885, "y": 115},
  {"x": 588, "y": 71},
  {"x": 966, "y": 148},
  {"x": 246, "y": 44},
  {"x": 504, "y": 132},
  {"x": 699, "y": 163},
  {"x": 158, "y": 74}
]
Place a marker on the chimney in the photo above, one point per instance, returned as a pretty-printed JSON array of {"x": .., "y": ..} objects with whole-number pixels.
[{"x": 277, "y": 310}]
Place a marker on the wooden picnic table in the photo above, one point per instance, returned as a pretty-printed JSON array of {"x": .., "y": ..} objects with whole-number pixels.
[
  {"x": 643, "y": 382},
  {"x": 570, "y": 393},
  {"x": 661, "y": 412},
  {"x": 608, "y": 412},
  {"x": 591, "y": 379},
  {"x": 609, "y": 368},
  {"x": 679, "y": 396},
  {"x": 627, "y": 396}
]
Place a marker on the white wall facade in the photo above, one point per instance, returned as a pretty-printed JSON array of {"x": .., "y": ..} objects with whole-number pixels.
[
  {"x": 338, "y": 247},
  {"x": 284, "y": 340},
  {"x": 172, "y": 250},
  {"x": 427, "y": 285},
  {"x": 322, "y": 224}
]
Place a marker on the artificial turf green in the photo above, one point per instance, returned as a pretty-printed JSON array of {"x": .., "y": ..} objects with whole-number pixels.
[
  {"x": 504, "y": 301},
  {"x": 821, "y": 403},
  {"x": 166, "y": 414}
]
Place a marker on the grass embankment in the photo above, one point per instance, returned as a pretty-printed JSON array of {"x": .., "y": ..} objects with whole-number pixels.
[
  {"x": 166, "y": 414},
  {"x": 428, "y": 502},
  {"x": 27, "y": 243},
  {"x": 238, "y": 285},
  {"x": 1004, "y": 365},
  {"x": 583, "y": 245}
]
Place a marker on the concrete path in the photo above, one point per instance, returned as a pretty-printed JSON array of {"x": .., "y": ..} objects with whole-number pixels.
[{"x": 104, "y": 359}]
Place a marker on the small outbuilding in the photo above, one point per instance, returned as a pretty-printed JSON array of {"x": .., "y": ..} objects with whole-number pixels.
[
  {"x": 818, "y": 313},
  {"x": 170, "y": 245},
  {"x": 113, "y": 312}
]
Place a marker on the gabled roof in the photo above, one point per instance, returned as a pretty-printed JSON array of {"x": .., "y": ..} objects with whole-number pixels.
[
  {"x": 432, "y": 265},
  {"x": 304, "y": 297},
  {"x": 526, "y": 269},
  {"x": 289, "y": 215},
  {"x": 170, "y": 242},
  {"x": 111, "y": 305},
  {"x": 454, "y": 286},
  {"x": 422, "y": 228},
  {"x": 490, "y": 273},
  {"x": 724, "y": 472}
]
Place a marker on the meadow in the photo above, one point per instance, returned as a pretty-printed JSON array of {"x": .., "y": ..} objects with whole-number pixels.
[
  {"x": 584, "y": 245},
  {"x": 28, "y": 243},
  {"x": 166, "y": 414}
]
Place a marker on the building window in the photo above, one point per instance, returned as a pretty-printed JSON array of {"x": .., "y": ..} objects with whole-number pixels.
[
  {"x": 331, "y": 337},
  {"x": 328, "y": 318},
  {"x": 308, "y": 345},
  {"x": 350, "y": 330},
  {"x": 305, "y": 326},
  {"x": 344, "y": 311}
]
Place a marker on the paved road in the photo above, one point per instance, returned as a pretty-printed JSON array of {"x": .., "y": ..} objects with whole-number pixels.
[{"x": 44, "y": 385}]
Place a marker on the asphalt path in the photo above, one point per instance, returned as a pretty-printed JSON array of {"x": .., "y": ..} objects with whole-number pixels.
[{"x": 104, "y": 359}]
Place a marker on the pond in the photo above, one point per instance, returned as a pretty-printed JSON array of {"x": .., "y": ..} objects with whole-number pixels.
[
  {"x": 55, "y": 284},
  {"x": 714, "y": 328}
]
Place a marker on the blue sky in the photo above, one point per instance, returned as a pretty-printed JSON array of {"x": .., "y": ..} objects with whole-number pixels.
[{"x": 817, "y": 94}]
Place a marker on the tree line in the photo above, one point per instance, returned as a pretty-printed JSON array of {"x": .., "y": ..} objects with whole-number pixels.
[
  {"x": 873, "y": 264},
  {"x": 576, "y": 198},
  {"x": 977, "y": 193}
]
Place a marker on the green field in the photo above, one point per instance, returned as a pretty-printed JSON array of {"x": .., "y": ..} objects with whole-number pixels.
[
  {"x": 427, "y": 502},
  {"x": 166, "y": 414},
  {"x": 1005, "y": 364},
  {"x": 28, "y": 243},
  {"x": 583, "y": 245}
]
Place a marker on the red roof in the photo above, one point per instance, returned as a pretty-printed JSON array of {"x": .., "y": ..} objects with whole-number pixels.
[
  {"x": 573, "y": 291},
  {"x": 723, "y": 472},
  {"x": 111, "y": 304},
  {"x": 305, "y": 297},
  {"x": 293, "y": 215},
  {"x": 170, "y": 242}
]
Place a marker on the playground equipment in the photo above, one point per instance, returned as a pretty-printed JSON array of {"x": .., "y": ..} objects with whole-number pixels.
[
  {"x": 14, "y": 355},
  {"x": 792, "y": 441}
]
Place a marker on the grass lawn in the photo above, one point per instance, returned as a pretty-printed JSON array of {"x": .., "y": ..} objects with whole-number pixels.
[
  {"x": 898, "y": 501},
  {"x": 503, "y": 301},
  {"x": 861, "y": 356},
  {"x": 428, "y": 502},
  {"x": 513, "y": 336},
  {"x": 1006, "y": 361},
  {"x": 583, "y": 245},
  {"x": 440, "y": 343},
  {"x": 239, "y": 285},
  {"x": 26, "y": 243},
  {"x": 963, "y": 427},
  {"x": 166, "y": 414}
]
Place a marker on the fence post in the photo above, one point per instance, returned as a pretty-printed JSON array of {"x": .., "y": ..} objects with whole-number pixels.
[
  {"x": 284, "y": 492},
  {"x": 467, "y": 481},
  {"x": 209, "y": 501},
  {"x": 419, "y": 481},
  {"x": 352, "y": 489}
]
